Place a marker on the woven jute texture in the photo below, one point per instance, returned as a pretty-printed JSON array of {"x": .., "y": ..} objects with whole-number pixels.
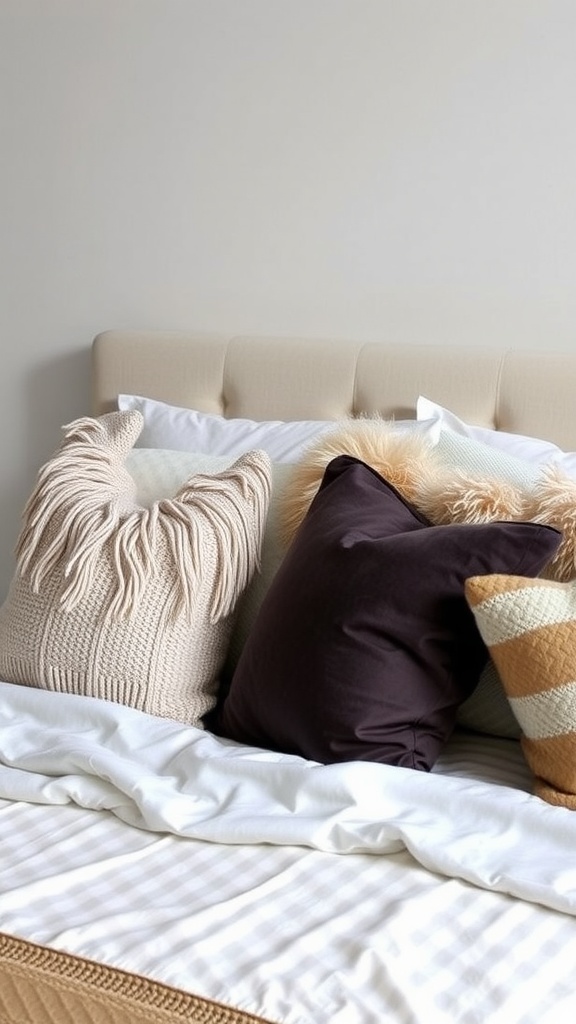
[{"x": 44, "y": 986}]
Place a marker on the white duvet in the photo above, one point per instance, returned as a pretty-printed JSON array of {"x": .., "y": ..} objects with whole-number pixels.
[{"x": 163, "y": 777}]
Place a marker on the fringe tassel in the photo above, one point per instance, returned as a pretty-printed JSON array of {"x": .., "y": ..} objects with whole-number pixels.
[
  {"x": 83, "y": 504},
  {"x": 205, "y": 503}
]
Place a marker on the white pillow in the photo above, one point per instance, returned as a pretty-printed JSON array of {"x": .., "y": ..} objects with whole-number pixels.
[
  {"x": 171, "y": 427},
  {"x": 530, "y": 449}
]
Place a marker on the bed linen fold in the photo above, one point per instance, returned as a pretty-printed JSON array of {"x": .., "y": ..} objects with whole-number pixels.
[{"x": 160, "y": 776}]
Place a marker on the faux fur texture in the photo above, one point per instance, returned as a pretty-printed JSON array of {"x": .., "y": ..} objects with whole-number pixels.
[
  {"x": 407, "y": 460},
  {"x": 444, "y": 494},
  {"x": 456, "y": 497},
  {"x": 553, "y": 501}
]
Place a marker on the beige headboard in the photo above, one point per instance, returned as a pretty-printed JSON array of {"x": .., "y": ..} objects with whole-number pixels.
[{"x": 259, "y": 377}]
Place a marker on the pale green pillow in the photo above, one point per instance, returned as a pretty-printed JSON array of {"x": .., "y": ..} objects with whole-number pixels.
[{"x": 487, "y": 710}]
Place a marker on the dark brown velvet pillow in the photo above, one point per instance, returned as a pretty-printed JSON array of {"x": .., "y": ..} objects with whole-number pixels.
[{"x": 364, "y": 645}]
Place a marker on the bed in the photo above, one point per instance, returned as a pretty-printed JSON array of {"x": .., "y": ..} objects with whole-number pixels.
[{"x": 158, "y": 870}]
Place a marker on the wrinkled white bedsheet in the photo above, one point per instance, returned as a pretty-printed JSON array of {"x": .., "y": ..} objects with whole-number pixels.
[{"x": 163, "y": 777}]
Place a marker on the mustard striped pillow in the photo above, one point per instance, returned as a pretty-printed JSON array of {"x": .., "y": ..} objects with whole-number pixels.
[{"x": 529, "y": 626}]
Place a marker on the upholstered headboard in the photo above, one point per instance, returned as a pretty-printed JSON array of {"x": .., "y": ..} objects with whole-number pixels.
[{"x": 260, "y": 377}]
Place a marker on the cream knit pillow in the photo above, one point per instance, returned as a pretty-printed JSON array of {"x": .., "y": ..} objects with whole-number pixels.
[{"x": 131, "y": 604}]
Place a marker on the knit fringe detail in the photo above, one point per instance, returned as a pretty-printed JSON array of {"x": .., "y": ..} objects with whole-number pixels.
[{"x": 84, "y": 503}]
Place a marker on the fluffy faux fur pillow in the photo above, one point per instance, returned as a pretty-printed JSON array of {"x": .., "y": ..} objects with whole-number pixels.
[
  {"x": 126, "y": 603},
  {"x": 406, "y": 459},
  {"x": 553, "y": 502},
  {"x": 445, "y": 493}
]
